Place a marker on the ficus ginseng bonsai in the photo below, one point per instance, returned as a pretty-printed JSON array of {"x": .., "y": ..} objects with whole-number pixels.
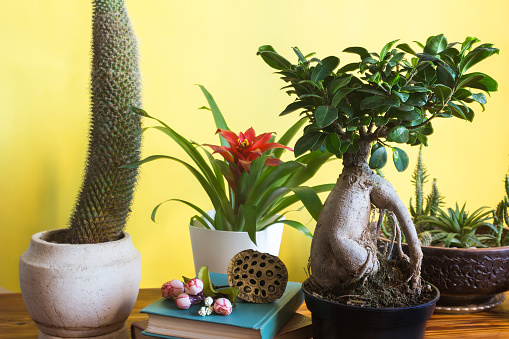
[
  {"x": 104, "y": 201},
  {"x": 355, "y": 112},
  {"x": 250, "y": 186}
]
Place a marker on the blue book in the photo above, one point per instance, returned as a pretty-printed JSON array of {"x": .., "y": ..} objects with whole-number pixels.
[{"x": 248, "y": 320}]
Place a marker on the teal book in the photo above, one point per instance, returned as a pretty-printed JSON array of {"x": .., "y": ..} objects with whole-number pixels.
[{"x": 248, "y": 320}]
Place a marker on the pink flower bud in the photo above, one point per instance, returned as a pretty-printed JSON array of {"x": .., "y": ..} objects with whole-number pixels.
[
  {"x": 183, "y": 301},
  {"x": 194, "y": 286},
  {"x": 172, "y": 289},
  {"x": 223, "y": 306}
]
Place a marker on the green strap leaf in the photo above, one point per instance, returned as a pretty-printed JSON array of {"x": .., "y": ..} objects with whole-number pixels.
[
  {"x": 250, "y": 219},
  {"x": 292, "y": 199},
  {"x": 298, "y": 226},
  {"x": 201, "y": 212},
  {"x": 288, "y": 136},
  {"x": 216, "y": 113},
  {"x": 310, "y": 200}
]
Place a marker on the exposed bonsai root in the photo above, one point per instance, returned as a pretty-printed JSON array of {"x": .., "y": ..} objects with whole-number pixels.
[{"x": 343, "y": 248}]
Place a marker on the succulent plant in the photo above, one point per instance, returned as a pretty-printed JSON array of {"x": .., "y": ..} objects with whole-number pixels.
[
  {"x": 424, "y": 206},
  {"x": 501, "y": 216},
  {"x": 458, "y": 228},
  {"x": 103, "y": 204}
]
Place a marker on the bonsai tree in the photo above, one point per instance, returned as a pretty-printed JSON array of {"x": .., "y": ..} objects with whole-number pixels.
[
  {"x": 104, "y": 200},
  {"x": 359, "y": 111}
]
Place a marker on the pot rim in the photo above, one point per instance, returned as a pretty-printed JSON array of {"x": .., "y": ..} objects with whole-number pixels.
[
  {"x": 377, "y": 309},
  {"x": 38, "y": 239},
  {"x": 460, "y": 249}
]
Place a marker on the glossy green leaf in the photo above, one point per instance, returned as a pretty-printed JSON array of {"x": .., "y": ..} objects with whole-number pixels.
[
  {"x": 467, "y": 44},
  {"x": 478, "y": 80},
  {"x": 377, "y": 101},
  {"x": 475, "y": 57},
  {"x": 442, "y": 92},
  {"x": 324, "y": 69},
  {"x": 435, "y": 45},
  {"x": 358, "y": 50},
  {"x": 306, "y": 142},
  {"x": 349, "y": 67},
  {"x": 332, "y": 143},
  {"x": 414, "y": 89},
  {"x": 417, "y": 99},
  {"x": 400, "y": 159},
  {"x": 293, "y": 107},
  {"x": 338, "y": 83},
  {"x": 480, "y": 98},
  {"x": 273, "y": 59},
  {"x": 378, "y": 157},
  {"x": 340, "y": 95},
  {"x": 325, "y": 115},
  {"x": 444, "y": 77},
  {"x": 405, "y": 47},
  {"x": 399, "y": 134},
  {"x": 386, "y": 49}
]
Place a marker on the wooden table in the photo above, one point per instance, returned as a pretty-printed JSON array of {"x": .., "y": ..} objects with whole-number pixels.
[{"x": 15, "y": 321}]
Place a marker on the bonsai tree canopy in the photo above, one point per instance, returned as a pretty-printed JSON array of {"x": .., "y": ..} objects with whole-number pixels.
[{"x": 359, "y": 111}]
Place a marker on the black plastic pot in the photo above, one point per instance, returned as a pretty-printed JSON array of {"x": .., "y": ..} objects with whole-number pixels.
[{"x": 334, "y": 320}]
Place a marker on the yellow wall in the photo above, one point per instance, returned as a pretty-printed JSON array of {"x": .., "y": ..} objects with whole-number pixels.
[{"x": 44, "y": 105}]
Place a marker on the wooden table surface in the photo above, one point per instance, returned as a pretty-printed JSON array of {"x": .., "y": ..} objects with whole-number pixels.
[{"x": 15, "y": 321}]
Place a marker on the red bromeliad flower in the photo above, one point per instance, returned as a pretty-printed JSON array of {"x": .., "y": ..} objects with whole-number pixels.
[{"x": 244, "y": 148}]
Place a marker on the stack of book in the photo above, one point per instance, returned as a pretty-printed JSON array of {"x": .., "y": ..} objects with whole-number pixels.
[{"x": 273, "y": 320}]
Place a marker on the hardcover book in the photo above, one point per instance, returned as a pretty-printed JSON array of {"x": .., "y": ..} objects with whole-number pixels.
[{"x": 248, "y": 320}]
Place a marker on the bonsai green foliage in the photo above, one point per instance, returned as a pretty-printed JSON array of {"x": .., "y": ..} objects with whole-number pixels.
[
  {"x": 433, "y": 200},
  {"x": 500, "y": 216},
  {"x": 458, "y": 228},
  {"x": 104, "y": 200},
  {"x": 393, "y": 96}
]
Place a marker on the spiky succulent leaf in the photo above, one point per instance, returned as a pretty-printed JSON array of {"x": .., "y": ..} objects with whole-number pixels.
[{"x": 104, "y": 201}]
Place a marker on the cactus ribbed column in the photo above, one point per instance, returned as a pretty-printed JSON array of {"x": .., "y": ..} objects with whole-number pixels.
[{"x": 104, "y": 200}]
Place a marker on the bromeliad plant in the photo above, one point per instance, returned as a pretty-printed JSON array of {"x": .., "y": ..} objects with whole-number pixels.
[
  {"x": 356, "y": 112},
  {"x": 260, "y": 186},
  {"x": 458, "y": 228}
]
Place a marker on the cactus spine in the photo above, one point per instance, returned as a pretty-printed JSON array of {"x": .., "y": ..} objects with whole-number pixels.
[{"x": 103, "y": 204}]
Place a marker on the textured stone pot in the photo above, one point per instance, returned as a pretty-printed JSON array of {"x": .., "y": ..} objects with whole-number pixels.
[
  {"x": 469, "y": 279},
  {"x": 334, "y": 320},
  {"x": 215, "y": 248},
  {"x": 77, "y": 291}
]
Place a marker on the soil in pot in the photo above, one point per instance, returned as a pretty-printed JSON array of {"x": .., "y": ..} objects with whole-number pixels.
[{"x": 379, "y": 307}]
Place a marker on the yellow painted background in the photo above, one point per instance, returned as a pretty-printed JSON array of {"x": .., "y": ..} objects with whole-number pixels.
[{"x": 44, "y": 106}]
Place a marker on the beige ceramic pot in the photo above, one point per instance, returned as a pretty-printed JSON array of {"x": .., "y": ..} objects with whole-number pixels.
[{"x": 75, "y": 291}]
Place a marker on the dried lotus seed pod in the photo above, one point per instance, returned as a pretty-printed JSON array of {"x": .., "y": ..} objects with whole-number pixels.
[{"x": 260, "y": 277}]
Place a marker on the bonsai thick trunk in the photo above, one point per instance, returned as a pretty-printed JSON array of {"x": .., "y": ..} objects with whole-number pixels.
[{"x": 344, "y": 244}]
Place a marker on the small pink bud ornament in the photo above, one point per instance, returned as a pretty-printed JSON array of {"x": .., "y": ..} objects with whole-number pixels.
[
  {"x": 183, "y": 301},
  {"x": 223, "y": 306},
  {"x": 194, "y": 286},
  {"x": 172, "y": 289}
]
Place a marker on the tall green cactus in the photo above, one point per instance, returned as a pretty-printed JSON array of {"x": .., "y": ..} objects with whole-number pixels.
[{"x": 104, "y": 200}]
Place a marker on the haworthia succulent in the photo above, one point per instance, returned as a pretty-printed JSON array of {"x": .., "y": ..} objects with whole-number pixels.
[{"x": 104, "y": 200}]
